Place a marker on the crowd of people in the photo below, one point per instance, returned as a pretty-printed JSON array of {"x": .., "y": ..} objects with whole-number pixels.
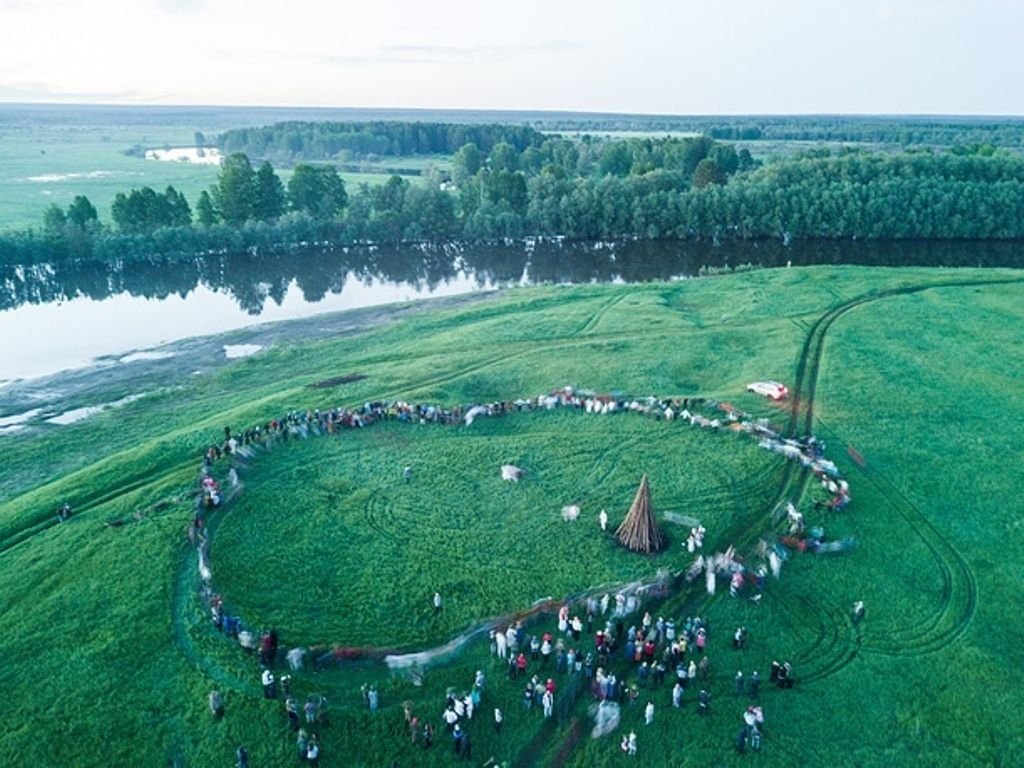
[{"x": 623, "y": 660}]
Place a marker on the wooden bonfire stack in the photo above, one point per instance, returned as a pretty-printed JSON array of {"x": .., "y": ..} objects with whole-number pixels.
[{"x": 639, "y": 532}]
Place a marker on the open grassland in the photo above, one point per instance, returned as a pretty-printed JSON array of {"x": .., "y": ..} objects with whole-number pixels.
[
  {"x": 45, "y": 166},
  {"x": 42, "y": 164},
  {"x": 109, "y": 654}
]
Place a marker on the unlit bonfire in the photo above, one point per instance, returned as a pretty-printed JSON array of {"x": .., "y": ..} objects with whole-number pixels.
[{"x": 639, "y": 531}]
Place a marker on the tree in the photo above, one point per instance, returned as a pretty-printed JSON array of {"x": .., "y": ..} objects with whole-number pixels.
[
  {"x": 269, "y": 201},
  {"x": 233, "y": 196},
  {"x": 206, "y": 214},
  {"x": 508, "y": 187},
  {"x": 81, "y": 213},
  {"x": 706, "y": 173},
  {"x": 141, "y": 210},
  {"x": 390, "y": 196},
  {"x": 54, "y": 219},
  {"x": 178, "y": 212},
  {"x": 725, "y": 157},
  {"x": 466, "y": 163},
  {"x": 317, "y": 190},
  {"x": 616, "y": 159},
  {"x": 504, "y": 157},
  {"x": 745, "y": 161}
]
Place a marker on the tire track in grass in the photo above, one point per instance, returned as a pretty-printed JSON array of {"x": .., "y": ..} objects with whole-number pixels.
[
  {"x": 844, "y": 641},
  {"x": 375, "y": 510},
  {"x": 959, "y": 583},
  {"x": 599, "y": 315},
  {"x": 796, "y": 479},
  {"x": 816, "y": 627},
  {"x": 802, "y": 414},
  {"x": 605, "y": 464}
]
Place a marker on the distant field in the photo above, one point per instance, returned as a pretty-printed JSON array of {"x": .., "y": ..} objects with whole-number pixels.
[{"x": 44, "y": 164}]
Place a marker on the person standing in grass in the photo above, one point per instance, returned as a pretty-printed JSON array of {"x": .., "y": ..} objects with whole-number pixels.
[
  {"x": 216, "y": 704},
  {"x": 437, "y": 602},
  {"x": 241, "y": 757},
  {"x": 309, "y": 709},
  {"x": 313, "y": 751},
  {"x": 704, "y": 700},
  {"x": 499, "y": 718},
  {"x": 428, "y": 736},
  {"x": 269, "y": 685}
]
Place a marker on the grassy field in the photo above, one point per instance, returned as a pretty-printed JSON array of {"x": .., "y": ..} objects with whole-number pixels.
[
  {"x": 110, "y": 655},
  {"x": 44, "y": 164},
  {"x": 504, "y": 545},
  {"x": 47, "y": 166}
]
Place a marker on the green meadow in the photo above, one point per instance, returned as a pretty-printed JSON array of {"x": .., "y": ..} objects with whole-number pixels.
[
  {"x": 910, "y": 376},
  {"x": 43, "y": 164}
]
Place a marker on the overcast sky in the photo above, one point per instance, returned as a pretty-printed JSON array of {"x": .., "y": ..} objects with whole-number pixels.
[{"x": 649, "y": 56}]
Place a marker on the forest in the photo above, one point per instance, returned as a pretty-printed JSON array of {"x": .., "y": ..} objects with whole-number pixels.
[
  {"x": 343, "y": 141},
  {"x": 691, "y": 188}
]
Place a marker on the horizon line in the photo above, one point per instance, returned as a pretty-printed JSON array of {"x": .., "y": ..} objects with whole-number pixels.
[{"x": 515, "y": 111}]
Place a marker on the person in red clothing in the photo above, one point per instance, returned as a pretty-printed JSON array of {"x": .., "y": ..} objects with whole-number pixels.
[
  {"x": 649, "y": 651},
  {"x": 549, "y": 686},
  {"x": 521, "y": 663}
]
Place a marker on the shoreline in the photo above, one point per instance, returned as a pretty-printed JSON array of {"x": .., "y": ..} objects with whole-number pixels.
[{"x": 27, "y": 405}]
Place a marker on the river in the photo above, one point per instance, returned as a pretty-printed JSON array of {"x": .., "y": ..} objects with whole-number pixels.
[{"x": 56, "y": 317}]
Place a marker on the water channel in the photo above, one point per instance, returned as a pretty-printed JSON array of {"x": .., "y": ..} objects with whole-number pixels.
[{"x": 55, "y": 317}]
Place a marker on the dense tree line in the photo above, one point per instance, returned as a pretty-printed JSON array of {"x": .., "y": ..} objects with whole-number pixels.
[
  {"x": 312, "y": 141},
  {"x": 940, "y": 132},
  {"x": 143, "y": 210},
  {"x": 345, "y": 141},
  {"x": 685, "y": 188}
]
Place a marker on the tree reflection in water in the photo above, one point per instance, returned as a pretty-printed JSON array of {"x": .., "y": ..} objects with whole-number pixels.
[{"x": 253, "y": 279}]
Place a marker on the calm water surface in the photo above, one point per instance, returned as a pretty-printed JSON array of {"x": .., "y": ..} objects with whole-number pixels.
[{"x": 56, "y": 317}]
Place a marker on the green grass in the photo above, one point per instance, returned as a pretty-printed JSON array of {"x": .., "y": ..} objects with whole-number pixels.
[
  {"x": 47, "y": 166},
  {"x": 42, "y": 165},
  {"x": 343, "y": 497},
  {"x": 109, "y": 653}
]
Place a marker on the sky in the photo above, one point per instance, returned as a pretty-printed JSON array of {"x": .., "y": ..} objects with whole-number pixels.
[{"x": 639, "y": 56}]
